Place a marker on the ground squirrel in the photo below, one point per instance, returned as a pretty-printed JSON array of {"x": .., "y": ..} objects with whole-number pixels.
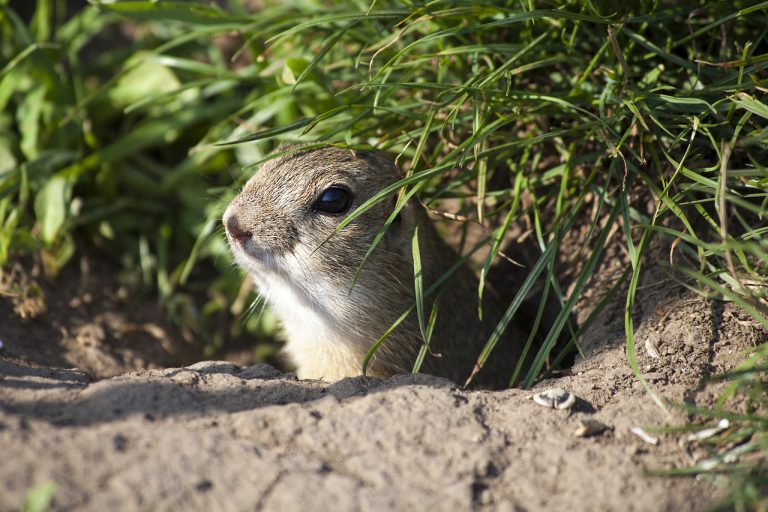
[{"x": 281, "y": 231}]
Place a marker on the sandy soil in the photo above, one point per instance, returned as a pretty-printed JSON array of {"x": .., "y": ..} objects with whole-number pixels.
[{"x": 223, "y": 437}]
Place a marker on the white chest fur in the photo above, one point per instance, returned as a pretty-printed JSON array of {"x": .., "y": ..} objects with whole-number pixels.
[{"x": 317, "y": 342}]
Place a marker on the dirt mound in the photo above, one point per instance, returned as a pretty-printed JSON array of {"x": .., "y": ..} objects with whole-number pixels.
[{"x": 219, "y": 436}]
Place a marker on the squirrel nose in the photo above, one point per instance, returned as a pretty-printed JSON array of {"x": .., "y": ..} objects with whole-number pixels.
[{"x": 233, "y": 228}]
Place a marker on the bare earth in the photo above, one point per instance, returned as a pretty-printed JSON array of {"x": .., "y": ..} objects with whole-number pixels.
[{"x": 216, "y": 436}]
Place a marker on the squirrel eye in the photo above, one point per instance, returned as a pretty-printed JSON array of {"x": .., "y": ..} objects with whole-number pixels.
[{"x": 333, "y": 200}]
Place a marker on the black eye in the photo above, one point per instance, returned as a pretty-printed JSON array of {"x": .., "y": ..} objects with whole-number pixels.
[{"x": 333, "y": 200}]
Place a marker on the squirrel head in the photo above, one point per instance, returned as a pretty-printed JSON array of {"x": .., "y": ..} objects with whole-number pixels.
[{"x": 283, "y": 223}]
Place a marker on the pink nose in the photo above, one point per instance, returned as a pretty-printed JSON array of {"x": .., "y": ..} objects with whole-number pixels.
[{"x": 233, "y": 228}]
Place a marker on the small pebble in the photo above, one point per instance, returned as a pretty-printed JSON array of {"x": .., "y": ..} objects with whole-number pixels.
[
  {"x": 555, "y": 398},
  {"x": 589, "y": 428},
  {"x": 651, "y": 346},
  {"x": 645, "y": 436},
  {"x": 709, "y": 432}
]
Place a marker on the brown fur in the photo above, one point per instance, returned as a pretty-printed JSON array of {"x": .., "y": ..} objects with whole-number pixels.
[{"x": 329, "y": 328}]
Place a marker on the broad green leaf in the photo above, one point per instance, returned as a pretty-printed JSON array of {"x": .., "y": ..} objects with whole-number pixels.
[
  {"x": 147, "y": 79},
  {"x": 39, "y": 497},
  {"x": 51, "y": 207},
  {"x": 28, "y": 115}
]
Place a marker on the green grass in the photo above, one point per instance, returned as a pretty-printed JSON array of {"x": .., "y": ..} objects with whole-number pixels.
[
  {"x": 652, "y": 118},
  {"x": 39, "y": 497}
]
